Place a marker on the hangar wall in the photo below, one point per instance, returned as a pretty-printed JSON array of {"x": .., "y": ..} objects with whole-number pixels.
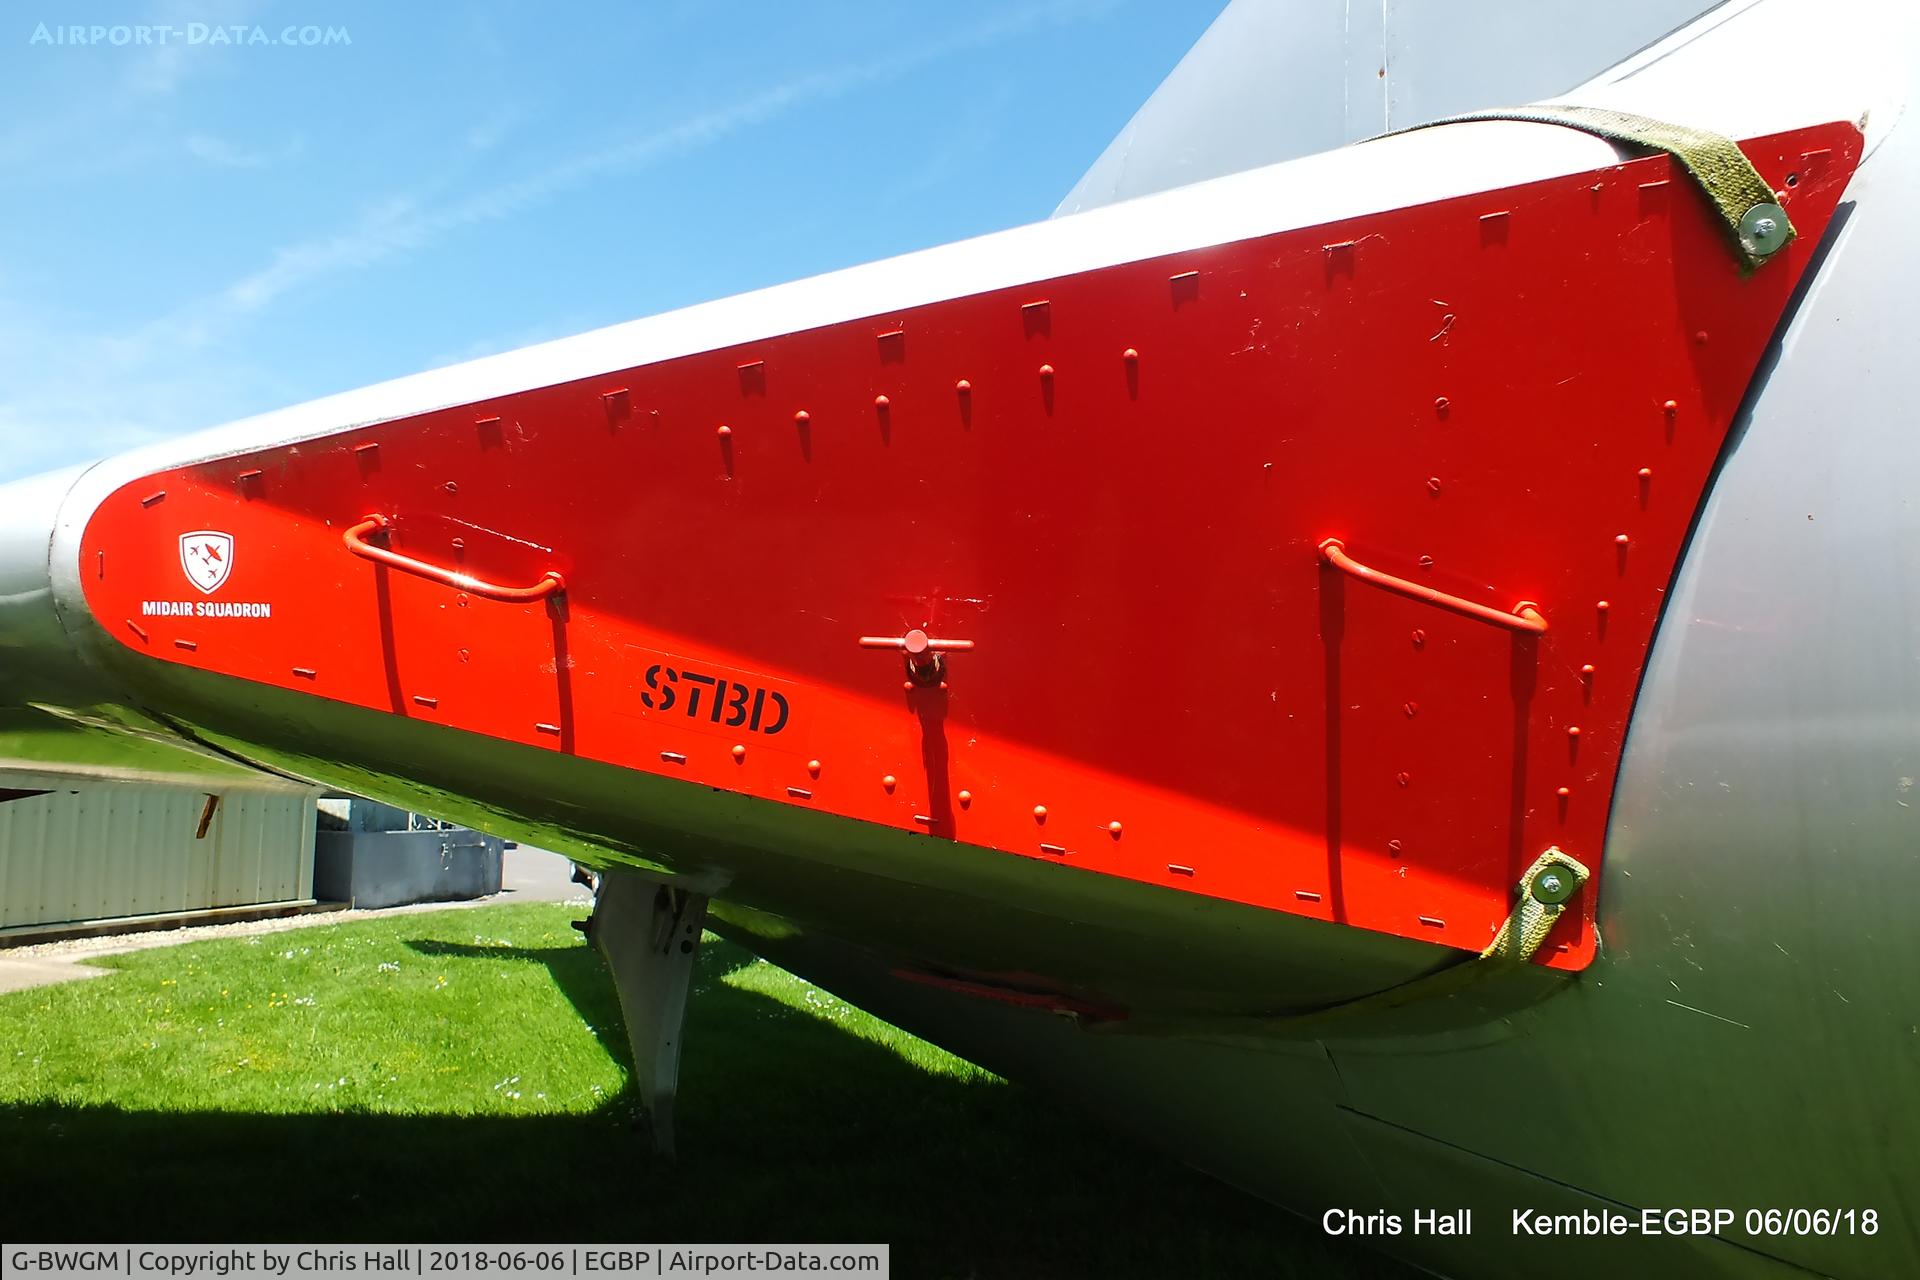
[{"x": 112, "y": 851}]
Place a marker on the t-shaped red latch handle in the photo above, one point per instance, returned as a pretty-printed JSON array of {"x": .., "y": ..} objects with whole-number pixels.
[{"x": 921, "y": 651}]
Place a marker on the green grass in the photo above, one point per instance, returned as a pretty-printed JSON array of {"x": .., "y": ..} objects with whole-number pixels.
[{"x": 461, "y": 1075}]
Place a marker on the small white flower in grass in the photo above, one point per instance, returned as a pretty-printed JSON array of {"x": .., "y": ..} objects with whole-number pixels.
[{"x": 390, "y": 966}]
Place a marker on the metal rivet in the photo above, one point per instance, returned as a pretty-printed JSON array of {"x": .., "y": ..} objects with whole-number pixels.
[
  {"x": 724, "y": 432},
  {"x": 1564, "y": 792},
  {"x": 802, "y": 417},
  {"x": 889, "y": 782},
  {"x": 739, "y": 753},
  {"x": 1413, "y": 708},
  {"x": 1573, "y": 731},
  {"x": 813, "y": 768},
  {"x": 1046, "y": 371},
  {"x": 1764, "y": 229},
  {"x": 1426, "y": 562},
  {"x": 1621, "y": 539},
  {"x": 1552, "y": 886},
  {"x": 1701, "y": 337},
  {"x": 1586, "y": 672},
  {"x": 966, "y": 798},
  {"x": 1433, "y": 484},
  {"x": 1114, "y": 829},
  {"x": 1404, "y": 779},
  {"x": 1441, "y": 404},
  {"x": 1602, "y": 605},
  {"x": 1395, "y": 845},
  {"x": 1130, "y": 355},
  {"x": 963, "y": 386},
  {"x": 1039, "y": 813},
  {"x": 1419, "y": 638},
  {"x": 1646, "y": 473},
  {"x": 1671, "y": 407},
  {"x": 881, "y": 402}
]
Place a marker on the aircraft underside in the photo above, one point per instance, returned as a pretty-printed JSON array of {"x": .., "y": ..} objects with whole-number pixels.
[{"x": 1390, "y": 674}]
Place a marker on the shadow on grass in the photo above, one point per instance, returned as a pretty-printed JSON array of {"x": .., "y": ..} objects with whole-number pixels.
[{"x": 791, "y": 1129}]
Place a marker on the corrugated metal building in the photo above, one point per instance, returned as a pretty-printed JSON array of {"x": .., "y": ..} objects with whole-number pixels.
[{"x": 109, "y": 852}]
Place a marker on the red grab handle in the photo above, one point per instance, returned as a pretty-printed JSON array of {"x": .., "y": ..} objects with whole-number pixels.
[
  {"x": 1525, "y": 616},
  {"x": 355, "y": 539}
]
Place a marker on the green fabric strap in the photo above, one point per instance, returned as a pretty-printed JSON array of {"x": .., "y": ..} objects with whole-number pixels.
[
  {"x": 1536, "y": 909},
  {"x": 1757, "y": 225}
]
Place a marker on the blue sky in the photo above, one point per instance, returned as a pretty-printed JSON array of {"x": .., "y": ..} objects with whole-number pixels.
[{"x": 200, "y": 229}]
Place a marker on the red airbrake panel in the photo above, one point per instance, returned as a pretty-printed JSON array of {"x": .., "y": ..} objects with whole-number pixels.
[{"x": 1107, "y": 493}]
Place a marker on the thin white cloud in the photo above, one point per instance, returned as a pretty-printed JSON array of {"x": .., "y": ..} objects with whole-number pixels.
[
  {"x": 402, "y": 224},
  {"x": 220, "y": 153},
  {"x": 43, "y": 144},
  {"x": 114, "y": 391}
]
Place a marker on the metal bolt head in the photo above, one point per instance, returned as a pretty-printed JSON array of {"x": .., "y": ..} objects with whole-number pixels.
[
  {"x": 1552, "y": 886},
  {"x": 1764, "y": 229}
]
